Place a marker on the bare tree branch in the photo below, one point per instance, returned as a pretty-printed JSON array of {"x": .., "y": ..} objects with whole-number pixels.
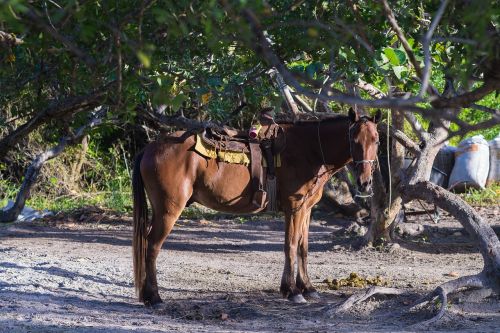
[
  {"x": 33, "y": 170},
  {"x": 395, "y": 26},
  {"x": 486, "y": 109},
  {"x": 426, "y": 41},
  {"x": 303, "y": 103},
  {"x": 401, "y": 137},
  {"x": 263, "y": 48},
  {"x": 57, "y": 109},
  {"x": 285, "y": 91},
  {"x": 370, "y": 89},
  {"x": 468, "y": 98},
  {"x": 35, "y": 19},
  {"x": 416, "y": 125}
]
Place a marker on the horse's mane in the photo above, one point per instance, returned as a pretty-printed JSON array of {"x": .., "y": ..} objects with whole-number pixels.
[{"x": 313, "y": 120}]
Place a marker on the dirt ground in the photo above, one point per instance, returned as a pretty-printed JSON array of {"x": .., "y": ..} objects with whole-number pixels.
[{"x": 222, "y": 274}]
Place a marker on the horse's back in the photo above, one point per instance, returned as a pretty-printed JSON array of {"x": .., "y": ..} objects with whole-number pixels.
[{"x": 174, "y": 173}]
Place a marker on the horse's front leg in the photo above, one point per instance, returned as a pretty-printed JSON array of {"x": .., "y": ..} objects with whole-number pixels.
[
  {"x": 303, "y": 282},
  {"x": 294, "y": 220}
]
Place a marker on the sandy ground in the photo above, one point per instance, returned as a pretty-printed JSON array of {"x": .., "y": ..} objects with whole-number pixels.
[{"x": 73, "y": 273}]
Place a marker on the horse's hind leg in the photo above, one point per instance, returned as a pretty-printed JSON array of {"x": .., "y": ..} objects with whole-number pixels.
[
  {"x": 161, "y": 225},
  {"x": 303, "y": 282}
]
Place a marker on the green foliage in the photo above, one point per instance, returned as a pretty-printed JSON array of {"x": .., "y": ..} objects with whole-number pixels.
[{"x": 200, "y": 57}]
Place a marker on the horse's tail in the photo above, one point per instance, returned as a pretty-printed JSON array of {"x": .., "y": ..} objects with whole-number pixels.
[{"x": 139, "y": 243}]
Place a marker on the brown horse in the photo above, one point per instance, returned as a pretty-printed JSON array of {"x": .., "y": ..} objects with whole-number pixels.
[{"x": 173, "y": 175}]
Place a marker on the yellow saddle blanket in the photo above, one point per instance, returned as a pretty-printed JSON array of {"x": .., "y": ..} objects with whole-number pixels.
[{"x": 234, "y": 157}]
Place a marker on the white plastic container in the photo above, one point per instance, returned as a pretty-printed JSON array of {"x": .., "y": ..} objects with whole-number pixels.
[
  {"x": 494, "y": 173},
  {"x": 472, "y": 163}
]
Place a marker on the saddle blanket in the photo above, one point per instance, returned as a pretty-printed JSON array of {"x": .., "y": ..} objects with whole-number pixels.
[{"x": 233, "y": 157}]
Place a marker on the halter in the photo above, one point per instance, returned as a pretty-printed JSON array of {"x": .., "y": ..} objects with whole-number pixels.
[{"x": 357, "y": 162}]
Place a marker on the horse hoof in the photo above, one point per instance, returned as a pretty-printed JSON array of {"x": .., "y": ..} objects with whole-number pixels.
[
  {"x": 159, "y": 306},
  {"x": 312, "y": 295},
  {"x": 297, "y": 299},
  {"x": 154, "y": 303}
]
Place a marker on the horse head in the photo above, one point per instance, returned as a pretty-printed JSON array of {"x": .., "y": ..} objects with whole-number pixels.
[{"x": 363, "y": 145}]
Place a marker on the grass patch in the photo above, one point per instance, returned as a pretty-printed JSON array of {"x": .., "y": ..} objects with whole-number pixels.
[
  {"x": 113, "y": 200},
  {"x": 490, "y": 196}
]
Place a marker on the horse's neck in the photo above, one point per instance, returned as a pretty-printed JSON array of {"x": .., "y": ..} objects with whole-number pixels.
[
  {"x": 335, "y": 143},
  {"x": 326, "y": 144}
]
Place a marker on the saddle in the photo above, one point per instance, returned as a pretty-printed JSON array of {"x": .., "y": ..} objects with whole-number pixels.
[{"x": 268, "y": 144}]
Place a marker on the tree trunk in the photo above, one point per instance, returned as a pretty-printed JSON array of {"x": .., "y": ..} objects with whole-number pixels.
[
  {"x": 479, "y": 231},
  {"x": 337, "y": 195},
  {"x": 385, "y": 214},
  {"x": 76, "y": 168}
]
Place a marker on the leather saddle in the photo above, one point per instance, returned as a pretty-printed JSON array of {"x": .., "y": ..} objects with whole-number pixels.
[{"x": 269, "y": 143}]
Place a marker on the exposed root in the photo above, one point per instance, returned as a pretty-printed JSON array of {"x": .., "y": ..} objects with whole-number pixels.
[
  {"x": 442, "y": 292},
  {"x": 361, "y": 296}
]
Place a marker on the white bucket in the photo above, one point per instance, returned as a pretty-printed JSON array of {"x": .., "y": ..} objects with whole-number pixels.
[{"x": 472, "y": 163}]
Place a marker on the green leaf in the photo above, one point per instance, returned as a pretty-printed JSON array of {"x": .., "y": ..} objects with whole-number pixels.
[
  {"x": 53, "y": 180},
  {"x": 214, "y": 81},
  {"x": 177, "y": 101},
  {"x": 145, "y": 59},
  {"x": 161, "y": 96},
  {"x": 401, "y": 56},
  {"x": 391, "y": 55},
  {"x": 311, "y": 70},
  {"x": 399, "y": 70}
]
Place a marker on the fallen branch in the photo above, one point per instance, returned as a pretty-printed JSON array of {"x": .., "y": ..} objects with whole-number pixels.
[
  {"x": 303, "y": 103},
  {"x": 33, "y": 170},
  {"x": 7, "y": 39},
  {"x": 361, "y": 296}
]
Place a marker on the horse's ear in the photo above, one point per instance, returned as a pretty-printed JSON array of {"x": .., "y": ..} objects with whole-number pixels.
[
  {"x": 378, "y": 116},
  {"x": 353, "y": 116}
]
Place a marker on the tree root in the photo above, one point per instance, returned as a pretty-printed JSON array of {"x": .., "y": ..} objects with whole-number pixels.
[
  {"x": 361, "y": 296},
  {"x": 442, "y": 292}
]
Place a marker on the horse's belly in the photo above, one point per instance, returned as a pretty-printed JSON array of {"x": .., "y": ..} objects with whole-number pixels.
[{"x": 224, "y": 187}]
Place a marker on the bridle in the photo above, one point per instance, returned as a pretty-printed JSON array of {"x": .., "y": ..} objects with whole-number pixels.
[{"x": 363, "y": 120}]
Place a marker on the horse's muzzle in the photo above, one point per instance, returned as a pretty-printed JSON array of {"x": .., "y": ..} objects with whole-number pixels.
[{"x": 365, "y": 187}]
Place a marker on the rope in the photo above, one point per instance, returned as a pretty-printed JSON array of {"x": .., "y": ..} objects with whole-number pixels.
[
  {"x": 388, "y": 164},
  {"x": 320, "y": 146}
]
